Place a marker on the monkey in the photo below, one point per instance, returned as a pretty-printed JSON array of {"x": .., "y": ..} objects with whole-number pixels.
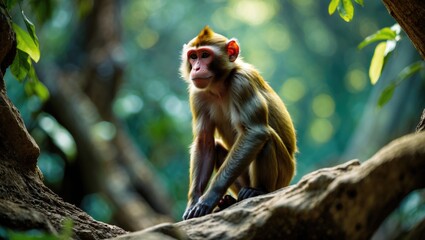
[{"x": 241, "y": 128}]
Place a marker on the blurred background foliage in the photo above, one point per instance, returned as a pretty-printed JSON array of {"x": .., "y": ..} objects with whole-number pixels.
[{"x": 310, "y": 58}]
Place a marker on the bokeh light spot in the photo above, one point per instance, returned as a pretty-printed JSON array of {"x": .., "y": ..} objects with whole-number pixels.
[
  {"x": 278, "y": 38},
  {"x": 147, "y": 38},
  {"x": 293, "y": 89},
  {"x": 355, "y": 80},
  {"x": 127, "y": 105},
  {"x": 254, "y": 12},
  {"x": 323, "y": 105},
  {"x": 321, "y": 130},
  {"x": 104, "y": 130}
]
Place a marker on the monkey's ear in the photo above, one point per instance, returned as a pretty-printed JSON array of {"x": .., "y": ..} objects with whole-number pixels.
[{"x": 232, "y": 50}]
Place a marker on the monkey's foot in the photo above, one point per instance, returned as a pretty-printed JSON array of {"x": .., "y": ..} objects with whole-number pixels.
[
  {"x": 225, "y": 202},
  {"x": 247, "y": 192}
]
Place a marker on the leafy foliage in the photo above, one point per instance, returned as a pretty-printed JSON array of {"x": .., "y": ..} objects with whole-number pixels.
[
  {"x": 406, "y": 73},
  {"x": 389, "y": 36},
  {"x": 28, "y": 53},
  {"x": 345, "y": 8}
]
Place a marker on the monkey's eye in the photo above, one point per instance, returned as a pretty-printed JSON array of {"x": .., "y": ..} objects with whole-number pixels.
[
  {"x": 193, "y": 56},
  {"x": 205, "y": 54}
]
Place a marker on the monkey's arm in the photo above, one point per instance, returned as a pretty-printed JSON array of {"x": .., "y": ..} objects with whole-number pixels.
[
  {"x": 251, "y": 109},
  {"x": 201, "y": 162},
  {"x": 247, "y": 146}
]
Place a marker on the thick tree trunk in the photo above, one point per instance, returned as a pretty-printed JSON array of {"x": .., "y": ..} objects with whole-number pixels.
[
  {"x": 25, "y": 203},
  {"x": 410, "y": 14}
]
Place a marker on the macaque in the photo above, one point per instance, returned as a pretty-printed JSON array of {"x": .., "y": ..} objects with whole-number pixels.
[{"x": 241, "y": 128}]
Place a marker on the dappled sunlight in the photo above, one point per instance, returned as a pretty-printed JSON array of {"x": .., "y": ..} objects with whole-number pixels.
[
  {"x": 321, "y": 130},
  {"x": 62, "y": 138},
  {"x": 176, "y": 108},
  {"x": 318, "y": 38},
  {"x": 127, "y": 105},
  {"x": 277, "y": 37},
  {"x": 323, "y": 105},
  {"x": 356, "y": 80},
  {"x": 263, "y": 61},
  {"x": 104, "y": 131},
  {"x": 254, "y": 12},
  {"x": 147, "y": 38},
  {"x": 293, "y": 89}
]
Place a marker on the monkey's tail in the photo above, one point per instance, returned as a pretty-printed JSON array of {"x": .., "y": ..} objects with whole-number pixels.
[{"x": 285, "y": 161}]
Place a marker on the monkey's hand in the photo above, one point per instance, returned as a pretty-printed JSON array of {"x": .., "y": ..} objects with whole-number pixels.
[
  {"x": 201, "y": 208},
  {"x": 198, "y": 210},
  {"x": 247, "y": 192}
]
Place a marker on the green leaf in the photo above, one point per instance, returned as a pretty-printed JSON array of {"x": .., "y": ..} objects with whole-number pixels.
[
  {"x": 360, "y": 2},
  {"x": 21, "y": 65},
  {"x": 346, "y": 10},
  {"x": 406, "y": 73},
  {"x": 386, "y": 95},
  {"x": 35, "y": 87},
  {"x": 377, "y": 62},
  {"x": 30, "y": 29},
  {"x": 383, "y": 34},
  {"x": 332, "y": 6},
  {"x": 409, "y": 71},
  {"x": 26, "y": 43}
]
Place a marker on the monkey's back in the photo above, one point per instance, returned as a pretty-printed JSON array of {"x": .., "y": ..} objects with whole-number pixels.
[
  {"x": 281, "y": 122},
  {"x": 278, "y": 115}
]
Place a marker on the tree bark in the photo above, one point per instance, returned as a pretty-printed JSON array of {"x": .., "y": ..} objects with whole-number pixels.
[
  {"x": 410, "y": 14},
  {"x": 348, "y": 201},
  {"x": 25, "y": 203}
]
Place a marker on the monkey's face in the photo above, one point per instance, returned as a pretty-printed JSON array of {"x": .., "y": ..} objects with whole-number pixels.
[
  {"x": 200, "y": 60},
  {"x": 208, "y": 58}
]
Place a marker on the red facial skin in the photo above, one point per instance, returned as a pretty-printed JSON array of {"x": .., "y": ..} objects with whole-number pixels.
[{"x": 200, "y": 59}]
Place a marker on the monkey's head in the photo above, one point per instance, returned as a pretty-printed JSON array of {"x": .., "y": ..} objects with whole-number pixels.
[{"x": 207, "y": 58}]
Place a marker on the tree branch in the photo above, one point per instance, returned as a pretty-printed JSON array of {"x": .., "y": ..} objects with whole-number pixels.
[{"x": 348, "y": 201}]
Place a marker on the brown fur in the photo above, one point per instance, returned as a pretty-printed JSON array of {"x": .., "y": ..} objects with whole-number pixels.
[{"x": 240, "y": 127}]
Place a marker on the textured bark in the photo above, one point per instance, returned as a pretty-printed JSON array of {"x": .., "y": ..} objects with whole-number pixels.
[
  {"x": 348, "y": 201},
  {"x": 25, "y": 203},
  {"x": 410, "y": 14},
  {"x": 15, "y": 141}
]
